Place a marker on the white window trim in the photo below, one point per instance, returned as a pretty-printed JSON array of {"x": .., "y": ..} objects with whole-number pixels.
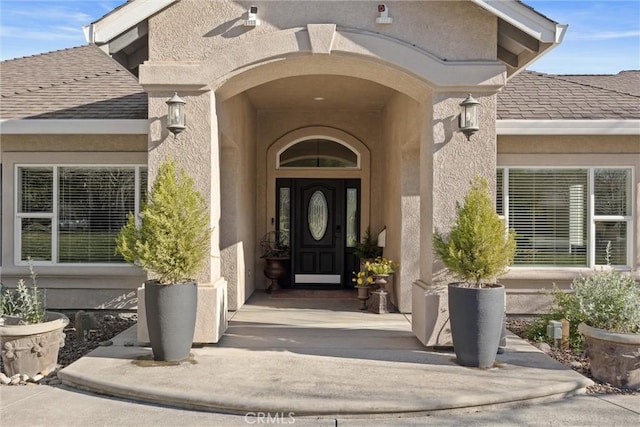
[
  {"x": 591, "y": 217},
  {"x": 17, "y": 236}
]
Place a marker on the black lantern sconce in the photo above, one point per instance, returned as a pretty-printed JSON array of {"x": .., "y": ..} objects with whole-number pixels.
[
  {"x": 469, "y": 117},
  {"x": 176, "y": 117}
]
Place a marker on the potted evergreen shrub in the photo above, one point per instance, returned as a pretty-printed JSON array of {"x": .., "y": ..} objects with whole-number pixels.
[
  {"x": 170, "y": 241},
  {"x": 477, "y": 250},
  {"x": 30, "y": 336},
  {"x": 368, "y": 248}
]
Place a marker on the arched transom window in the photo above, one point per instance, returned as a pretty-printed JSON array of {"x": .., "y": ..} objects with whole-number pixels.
[{"x": 318, "y": 153}]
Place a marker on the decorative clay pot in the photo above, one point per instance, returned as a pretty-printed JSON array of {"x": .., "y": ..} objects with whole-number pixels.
[
  {"x": 614, "y": 356},
  {"x": 31, "y": 349}
]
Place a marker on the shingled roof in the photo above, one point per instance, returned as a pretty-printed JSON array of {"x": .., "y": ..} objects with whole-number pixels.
[
  {"x": 85, "y": 83},
  {"x": 76, "y": 83},
  {"x": 537, "y": 96}
]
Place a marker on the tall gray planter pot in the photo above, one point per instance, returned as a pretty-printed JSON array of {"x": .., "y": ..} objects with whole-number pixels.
[
  {"x": 476, "y": 316},
  {"x": 171, "y": 318}
]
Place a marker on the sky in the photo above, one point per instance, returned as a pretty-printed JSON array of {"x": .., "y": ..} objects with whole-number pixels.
[{"x": 603, "y": 36}]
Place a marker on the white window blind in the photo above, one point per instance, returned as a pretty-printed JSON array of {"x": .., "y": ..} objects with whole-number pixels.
[
  {"x": 548, "y": 210},
  {"x": 93, "y": 205}
]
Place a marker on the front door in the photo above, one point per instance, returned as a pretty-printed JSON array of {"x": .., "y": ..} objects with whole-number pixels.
[{"x": 323, "y": 219}]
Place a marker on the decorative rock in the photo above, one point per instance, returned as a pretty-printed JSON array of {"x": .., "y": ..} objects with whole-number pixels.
[
  {"x": 55, "y": 381},
  {"x": 575, "y": 365},
  {"x": 24, "y": 378},
  {"x": 544, "y": 347},
  {"x": 4, "y": 379},
  {"x": 15, "y": 380},
  {"x": 36, "y": 378}
]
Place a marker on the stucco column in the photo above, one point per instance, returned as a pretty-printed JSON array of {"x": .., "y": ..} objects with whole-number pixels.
[
  {"x": 196, "y": 150},
  {"x": 448, "y": 164}
]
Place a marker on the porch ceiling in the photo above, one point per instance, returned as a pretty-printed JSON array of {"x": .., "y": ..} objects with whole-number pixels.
[{"x": 338, "y": 93}]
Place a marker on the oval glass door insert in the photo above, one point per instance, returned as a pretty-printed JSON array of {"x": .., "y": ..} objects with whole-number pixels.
[{"x": 318, "y": 216}]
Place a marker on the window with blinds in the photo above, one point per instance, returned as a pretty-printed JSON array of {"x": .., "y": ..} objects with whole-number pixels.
[
  {"x": 551, "y": 212},
  {"x": 548, "y": 210},
  {"x": 612, "y": 215},
  {"x": 72, "y": 214}
]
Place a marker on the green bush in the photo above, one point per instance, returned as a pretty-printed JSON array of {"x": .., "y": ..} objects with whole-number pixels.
[
  {"x": 605, "y": 300},
  {"x": 26, "y": 303},
  {"x": 171, "y": 240},
  {"x": 478, "y": 248}
]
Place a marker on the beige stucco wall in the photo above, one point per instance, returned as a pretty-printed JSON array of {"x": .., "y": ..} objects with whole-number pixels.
[
  {"x": 526, "y": 286},
  {"x": 401, "y": 188},
  {"x": 457, "y": 161},
  {"x": 300, "y": 38},
  {"x": 238, "y": 127},
  {"x": 107, "y": 287},
  {"x": 216, "y": 25}
]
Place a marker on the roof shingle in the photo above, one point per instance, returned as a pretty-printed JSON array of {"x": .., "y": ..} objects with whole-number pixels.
[
  {"x": 85, "y": 83},
  {"x": 76, "y": 83},
  {"x": 537, "y": 96}
]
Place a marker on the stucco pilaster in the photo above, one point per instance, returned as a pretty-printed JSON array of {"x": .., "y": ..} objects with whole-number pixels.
[
  {"x": 448, "y": 164},
  {"x": 196, "y": 150}
]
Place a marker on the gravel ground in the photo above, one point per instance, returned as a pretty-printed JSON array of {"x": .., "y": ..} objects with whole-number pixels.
[
  {"x": 579, "y": 362},
  {"x": 110, "y": 325}
]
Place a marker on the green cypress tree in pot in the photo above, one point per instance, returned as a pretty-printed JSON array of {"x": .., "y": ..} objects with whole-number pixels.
[
  {"x": 171, "y": 242},
  {"x": 477, "y": 250}
]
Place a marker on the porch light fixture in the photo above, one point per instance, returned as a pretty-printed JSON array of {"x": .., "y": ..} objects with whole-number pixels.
[
  {"x": 469, "y": 117},
  {"x": 384, "y": 17},
  {"x": 176, "y": 117},
  {"x": 252, "y": 17}
]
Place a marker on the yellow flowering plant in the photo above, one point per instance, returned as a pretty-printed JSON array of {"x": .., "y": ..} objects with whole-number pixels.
[
  {"x": 380, "y": 266},
  {"x": 362, "y": 278}
]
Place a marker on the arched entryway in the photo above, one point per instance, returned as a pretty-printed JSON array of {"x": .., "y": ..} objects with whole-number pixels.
[{"x": 319, "y": 178}]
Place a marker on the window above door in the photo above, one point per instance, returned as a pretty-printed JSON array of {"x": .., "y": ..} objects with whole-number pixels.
[{"x": 318, "y": 153}]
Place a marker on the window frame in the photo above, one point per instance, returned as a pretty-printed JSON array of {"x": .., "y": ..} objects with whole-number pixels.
[
  {"x": 53, "y": 215},
  {"x": 592, "y": 219}
]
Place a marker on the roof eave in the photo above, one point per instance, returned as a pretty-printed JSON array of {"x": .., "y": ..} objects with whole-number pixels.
[
  {"x": 74, "y": 126},
  {"x": 129, "y": 15},
  {"x": 523, "y": 18},
  {"x": 568, "y": 127}
]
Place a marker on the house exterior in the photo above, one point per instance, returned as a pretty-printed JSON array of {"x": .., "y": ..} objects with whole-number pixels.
[{"x": 319, "y": 119}]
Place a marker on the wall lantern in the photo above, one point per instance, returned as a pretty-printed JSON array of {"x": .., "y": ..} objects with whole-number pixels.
[
  {"x": 176, "y": 118},
  {"x": 469, "y": 116}
]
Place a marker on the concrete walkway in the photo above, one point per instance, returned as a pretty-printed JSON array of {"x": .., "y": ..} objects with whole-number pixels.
[
  {"x": 320, "y": 357},
  {"x": 284, "y": 360}
]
